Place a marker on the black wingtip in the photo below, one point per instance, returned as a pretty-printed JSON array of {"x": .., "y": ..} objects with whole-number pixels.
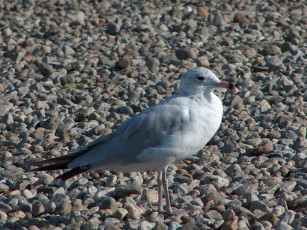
[{"x": 72, "y": 172}]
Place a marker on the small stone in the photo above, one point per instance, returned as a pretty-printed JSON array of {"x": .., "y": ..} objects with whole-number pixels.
[
  {"x": 7, "y": 119},
  {"x": 77, "y": 206},
  {"x": 123, "y": 63},
  {"x": 203, "y": 11},
  {"x": 283, "y": 226},
  {"x": 111, "y": 181},
  {"x": 5, "y": 207},
  {"x": 160, "y": 226},
  {"x": 231, "y": 224},
  {"x": 50, "y": 123},
  {"x": 269, "y": 217},
  {"x": 274, "y": 63},
  {"x": 259, "y": 205},
  {"x": 218, "y": 20},
  {"x": 220, "y": 208},
  {"x": 63, "y": 208},
  {"x": 7, "y": 31},
  {"x": 68, "y": 50},
  {"x": 46, "y": 69},
  {"x": 272, "y": 50},
  {"x": 213, "y": 214},
  {"x": 126, "y": 190},
  {"x": 203, "y": 62},
  {"x": 45, "y": 179},
  {"x": 150, "y": 195},
  {"x": 120, "y": 213},
  {"x": 186, "y": 53},
  {"x": 38, "y": 133},
  {"x": 77, "y": 17},
  {"x": 217, "y": 181},
  {"x": 126, "y": 110},
  {"x": 37, "y": 208},
  {"x": 92, "y": 223},
  {"x": 27, "y": 194},
  {"x": 213, "y": 196},
  {"x": 107, "y": 203},
  {"x": 3, "y": 187},
  {"x": 234, "y": 170},
  {"x": 174, "y": 226},
  {"x": 153, "y": 64},
  {"x": 133, "y": 212},
  {"x": 3, "y": 216},
  {"x": 113, "y": 28},
  {"x": 264, "y": 148},
  {"x": 239, "y": 17},
  {"x": 145, "y": 225},
  {"x": 237, "y": 100}
]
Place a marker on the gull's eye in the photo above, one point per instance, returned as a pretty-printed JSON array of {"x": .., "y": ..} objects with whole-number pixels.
[{"x": 201, "y": 78}]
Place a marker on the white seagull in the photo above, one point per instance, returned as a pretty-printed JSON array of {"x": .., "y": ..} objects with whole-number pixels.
[{"x": 168, "y": 132}]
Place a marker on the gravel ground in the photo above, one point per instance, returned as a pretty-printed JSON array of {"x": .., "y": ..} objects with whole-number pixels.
[{"x": 74, "y": 70}]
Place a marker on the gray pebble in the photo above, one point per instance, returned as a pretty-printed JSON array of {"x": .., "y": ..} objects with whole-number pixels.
[
  {"x": 126, "y": 190},
  {"x": 37, "y": 208},
  {"x": 113, "y": 28},
  {"x": 283, "y": 226},
  {"x": 106, "y": 202},
  {"x": 174, "y": 226},
  {"x": 92, "y": 223},
  {"x": 274, "y": 62}
]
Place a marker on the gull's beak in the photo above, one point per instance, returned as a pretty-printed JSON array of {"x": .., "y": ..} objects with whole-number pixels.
[{"x": 226, "y": 85}]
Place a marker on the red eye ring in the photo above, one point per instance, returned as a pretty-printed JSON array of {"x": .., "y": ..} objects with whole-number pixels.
[{"x": 201, "y": 78}]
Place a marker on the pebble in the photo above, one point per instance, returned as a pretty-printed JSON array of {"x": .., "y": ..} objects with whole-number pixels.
[
  {"x": 106, "y": 202},
  {"x": 186, "y": 53},
  {"x": 93, "y": 223},
  {"x": 126, "y": 190},
  {"x": 283, "y": 226},
  {"x": 133, "y": 212},
  {"x": 113, "y": 28},
  {"x": 79, "y": 72},
  {"x": 120, "y": 213},
  {"x": 153, "y": 64},
  {"x": 37, "y": 208},
  {"x": 123, "y": 63}
]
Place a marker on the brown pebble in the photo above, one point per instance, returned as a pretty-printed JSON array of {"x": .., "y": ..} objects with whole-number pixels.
[
  {"x": 220, "y": 208},
  {"x": 283, "y": 118},
  {"x": 123, "y": 63},
  {"x": 239, "y": 17},
  {"x": 230, "y": 224},
  {"x": 269, "y": 217},
  {"x": 263, "y": 148},
  {"x": 203, "y": 11}
]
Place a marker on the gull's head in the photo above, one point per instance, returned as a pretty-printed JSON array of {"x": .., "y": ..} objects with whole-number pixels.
[{"x": 201, "y": 80}]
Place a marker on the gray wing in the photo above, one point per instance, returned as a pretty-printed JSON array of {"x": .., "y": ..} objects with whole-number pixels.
[{"x": 146, "y": 130}]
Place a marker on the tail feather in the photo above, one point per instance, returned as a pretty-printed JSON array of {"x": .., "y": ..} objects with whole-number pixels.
[{"x": 62, "y": 163}]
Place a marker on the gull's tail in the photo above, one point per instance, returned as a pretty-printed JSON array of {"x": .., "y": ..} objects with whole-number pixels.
[{"x": 62, "y": 163}]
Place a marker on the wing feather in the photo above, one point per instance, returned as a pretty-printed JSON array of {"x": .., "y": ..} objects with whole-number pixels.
[{"x": 145, "y": 130}]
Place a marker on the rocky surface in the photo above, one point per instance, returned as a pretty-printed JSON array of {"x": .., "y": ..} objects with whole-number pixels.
[{"x": 74, "y": 70}]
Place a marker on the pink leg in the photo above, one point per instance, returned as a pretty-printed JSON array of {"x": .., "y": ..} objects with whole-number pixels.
[
  {"x": 159, "y": 181},
  {"x": 165, "y": 186}
]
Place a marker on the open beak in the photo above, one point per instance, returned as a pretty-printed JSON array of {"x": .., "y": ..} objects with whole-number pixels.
[{"x": 226, "y": 85}]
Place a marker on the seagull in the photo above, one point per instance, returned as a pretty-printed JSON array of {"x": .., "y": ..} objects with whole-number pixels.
[{"x": 163, "y": 134}]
